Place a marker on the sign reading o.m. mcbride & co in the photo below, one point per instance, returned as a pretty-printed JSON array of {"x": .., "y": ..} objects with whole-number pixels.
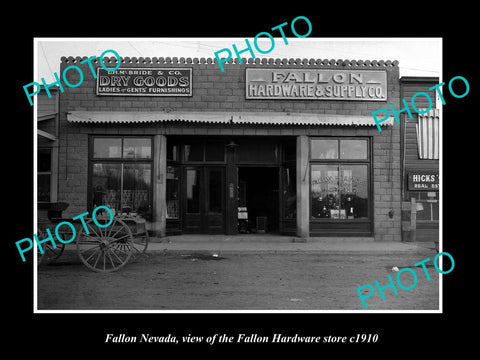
[
  {"x": 316, "y": 84},
  {"x": 145, "y": 82}
]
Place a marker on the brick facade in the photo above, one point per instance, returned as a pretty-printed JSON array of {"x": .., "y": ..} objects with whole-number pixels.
[{"x": 217, "y": 91}]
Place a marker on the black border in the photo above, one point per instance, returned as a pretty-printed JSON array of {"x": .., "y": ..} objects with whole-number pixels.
[{"x": 400, "y": 334}]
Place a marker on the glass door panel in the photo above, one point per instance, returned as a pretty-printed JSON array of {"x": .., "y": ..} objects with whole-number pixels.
[
  {"x": 215, "y": 184},
  {"x": 193, "y": 190},
  {"x": 214, "y": 217},
  {"x": 204, "y": 199}
]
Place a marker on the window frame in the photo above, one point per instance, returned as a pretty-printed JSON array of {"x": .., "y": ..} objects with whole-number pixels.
[
  {"x": 120, "y": 160},
  {"x": 203, "y": 144},
  {"x": 339, "y": 159},
  {"x": 339, "y": 162}
]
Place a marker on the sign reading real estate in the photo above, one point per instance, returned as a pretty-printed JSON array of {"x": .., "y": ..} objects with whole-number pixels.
[
  {"x": 145, "y": 82},
  {"x": 316, "y": 84}
]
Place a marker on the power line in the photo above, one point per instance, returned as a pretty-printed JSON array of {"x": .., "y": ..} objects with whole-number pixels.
[
  {"x": 139, "y": 53},
  {"x": 45, "y": 57}
]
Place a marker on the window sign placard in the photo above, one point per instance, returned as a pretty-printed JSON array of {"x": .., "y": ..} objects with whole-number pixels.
[
  {"x": 316, "y": 84},
  {"x": 423, "y": 180},
  {"x": 145, "y": 82}
]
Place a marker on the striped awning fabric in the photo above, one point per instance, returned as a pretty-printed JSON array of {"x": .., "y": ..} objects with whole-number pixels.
[
  {"x": 259, "y": 118},
  {"x": 428, "y": 134}
]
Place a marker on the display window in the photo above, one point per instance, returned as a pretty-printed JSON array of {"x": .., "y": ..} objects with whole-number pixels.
[
  {"x": 339, "y": 179},
  {"x": 121, "y": 174}
]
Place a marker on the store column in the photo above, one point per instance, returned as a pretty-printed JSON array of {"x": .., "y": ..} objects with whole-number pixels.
[
  {"x": 159, "y": 183},
  {"x": 303, "y": 188},
  {"x": 232, "y": 192}
]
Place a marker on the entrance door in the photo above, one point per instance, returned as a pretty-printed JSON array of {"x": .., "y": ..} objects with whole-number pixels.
[
  {"x": 204, "y": 208},
  {"x": 258, "y": 193}
]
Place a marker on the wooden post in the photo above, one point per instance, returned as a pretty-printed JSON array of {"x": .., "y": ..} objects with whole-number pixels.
[
  {"x": 160, "y": 186},
  {"x": 231, "y": 212},
  {"x": 413, "y": 219},
  {"x": 303, "y": 188}
]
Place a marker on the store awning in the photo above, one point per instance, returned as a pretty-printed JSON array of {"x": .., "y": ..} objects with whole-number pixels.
[
  {"x": 42, "y": 116},
  {"x": 256, "y": 118}
]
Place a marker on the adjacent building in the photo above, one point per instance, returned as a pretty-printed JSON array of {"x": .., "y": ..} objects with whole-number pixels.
[{"x": 420, "y": 143}]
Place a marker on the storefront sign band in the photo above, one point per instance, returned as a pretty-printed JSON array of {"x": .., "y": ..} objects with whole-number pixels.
[
  {"x": 145, "y": 82},
  {"x": 316, "y": 84}
]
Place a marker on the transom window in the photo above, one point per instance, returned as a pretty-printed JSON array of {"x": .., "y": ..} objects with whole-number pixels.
[
  {"x": 122, "y": 148},
  {"x": 204, "y": 152},
  {"x": 352, "y": 149}
]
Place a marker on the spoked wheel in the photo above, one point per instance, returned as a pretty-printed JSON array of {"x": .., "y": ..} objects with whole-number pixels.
[
  {"x": 50, "y": 254},
  {"x": 140, "y": 240},
  {"x": 105, "y": 249}
]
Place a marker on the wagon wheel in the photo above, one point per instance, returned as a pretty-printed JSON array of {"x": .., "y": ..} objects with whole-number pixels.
[
  {"x": 140, "y": 241},
  {"x": 50, "y": 254},
  {"x": 105, "y": 249}
]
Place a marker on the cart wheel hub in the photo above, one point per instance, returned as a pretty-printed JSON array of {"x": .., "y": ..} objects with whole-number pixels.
[{"x": 105, "y": 243}]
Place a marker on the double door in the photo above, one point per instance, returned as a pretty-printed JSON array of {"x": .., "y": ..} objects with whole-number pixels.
[{"x": 204, "y": 200}]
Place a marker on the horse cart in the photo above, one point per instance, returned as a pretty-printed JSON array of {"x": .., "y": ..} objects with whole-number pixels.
[{"x": 103, "y": 244}]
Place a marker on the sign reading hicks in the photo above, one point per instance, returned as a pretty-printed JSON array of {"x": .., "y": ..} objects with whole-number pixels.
[{"x": 423, "y": 180}]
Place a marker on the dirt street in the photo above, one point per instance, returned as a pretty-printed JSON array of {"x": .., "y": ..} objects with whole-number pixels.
[{"x": 289, "y": 280}]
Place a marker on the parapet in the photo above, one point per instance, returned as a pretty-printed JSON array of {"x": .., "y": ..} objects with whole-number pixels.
[{"x": 258, "y": 61}]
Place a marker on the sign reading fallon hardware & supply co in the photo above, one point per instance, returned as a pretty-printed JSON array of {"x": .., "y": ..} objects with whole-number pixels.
[{"x": 316, "y": 84}]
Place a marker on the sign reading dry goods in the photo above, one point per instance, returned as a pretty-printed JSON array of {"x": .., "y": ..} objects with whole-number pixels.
[
  {"x": 145, "y": 82},
  {"x": 316, "y": 84}
]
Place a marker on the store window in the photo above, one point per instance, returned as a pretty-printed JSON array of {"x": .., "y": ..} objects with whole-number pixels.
[
  {"x": 353, "y": 149},
  {"x": 107, "y": 148},
  {"x": 427, "y": 205},
  {"x": 324, "y": 149},
  {"x": 122, "y": 174},
  {"x": 44, "y": 174},
  {"x": 339, "y": 179},
  {"x": 134, "y": 148}
]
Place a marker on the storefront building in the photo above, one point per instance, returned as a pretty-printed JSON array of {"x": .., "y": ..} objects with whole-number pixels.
[{"x": 282, "y": 146}]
